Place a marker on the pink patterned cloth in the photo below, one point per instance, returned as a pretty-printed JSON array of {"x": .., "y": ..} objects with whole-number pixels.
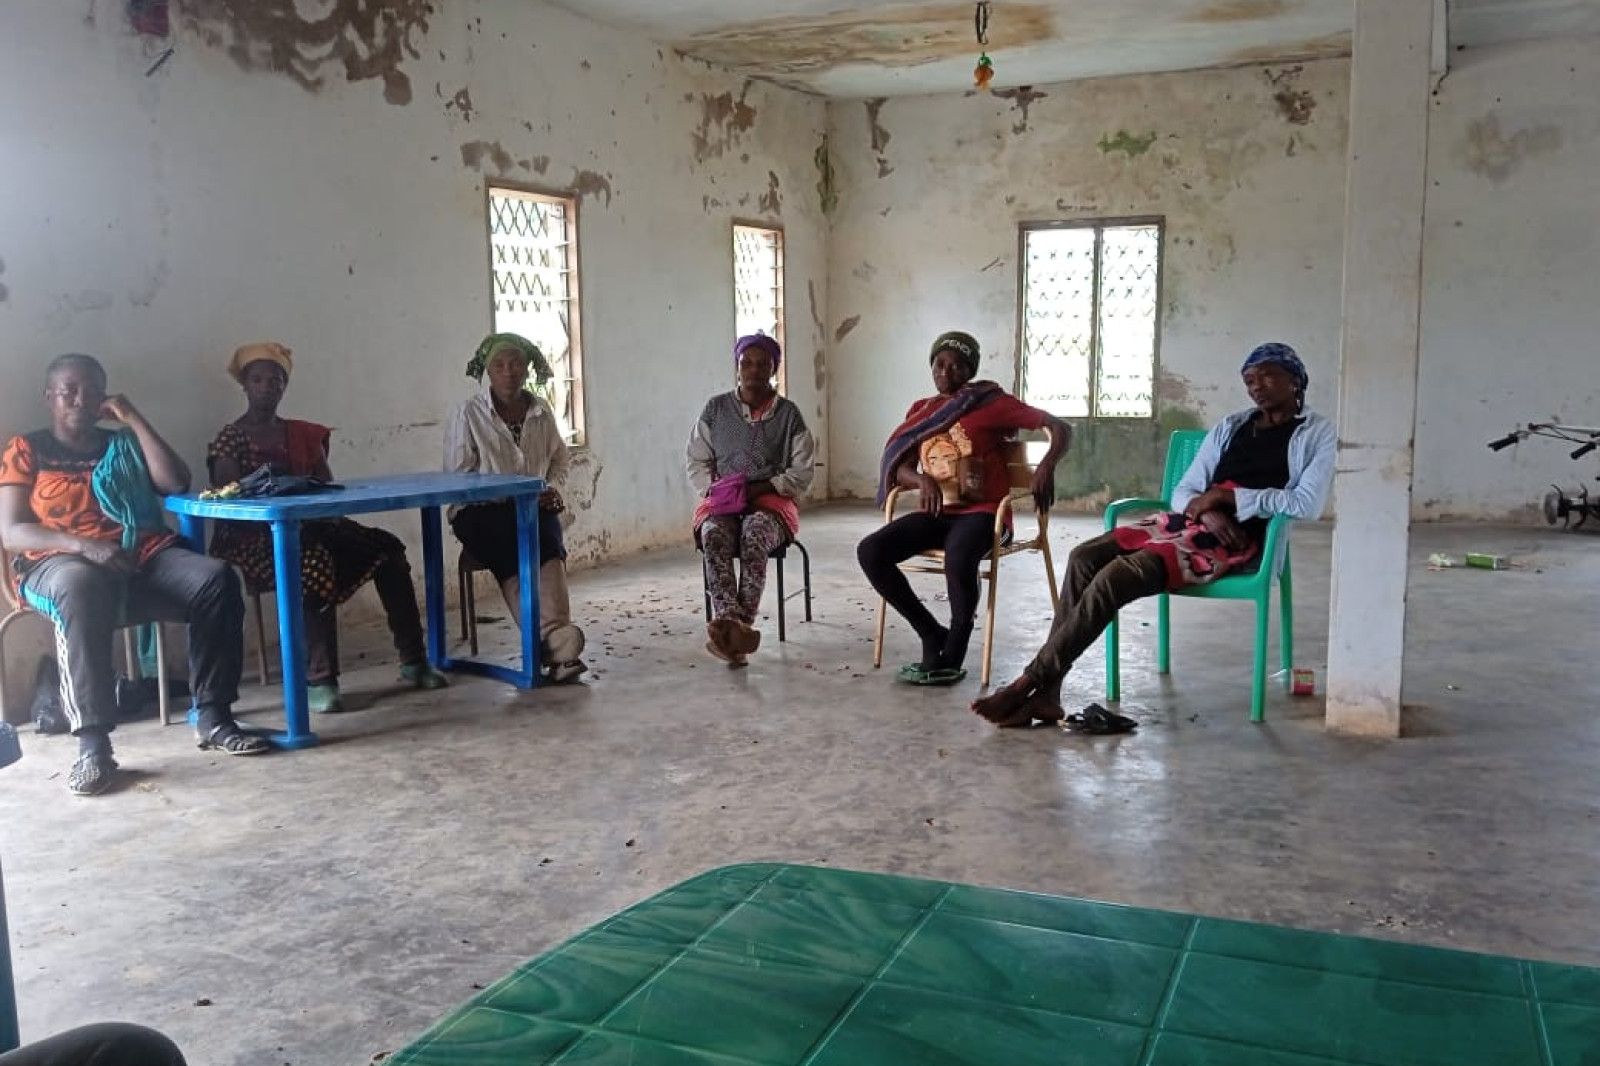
[
  {"x": 1193, "y": 554},
  {"x": 781, "y": 506}
]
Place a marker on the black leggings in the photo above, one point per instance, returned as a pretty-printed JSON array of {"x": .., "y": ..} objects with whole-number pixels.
[{"x": 966, "y": 538}]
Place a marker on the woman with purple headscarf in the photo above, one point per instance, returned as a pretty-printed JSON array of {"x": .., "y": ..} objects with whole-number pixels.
[
  {"x": 750, "y": 459},
  {"x": 1270, "y": 459}
]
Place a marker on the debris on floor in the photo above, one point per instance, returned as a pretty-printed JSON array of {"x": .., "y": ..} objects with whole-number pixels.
[{"x": 1472, "y": 560}]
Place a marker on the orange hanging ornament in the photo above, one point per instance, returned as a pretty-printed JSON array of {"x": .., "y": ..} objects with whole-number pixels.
[{"x": 983, "y": 73}]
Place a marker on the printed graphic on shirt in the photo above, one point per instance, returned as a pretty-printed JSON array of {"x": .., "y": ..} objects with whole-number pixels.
[{"x": 941, "y": 457}]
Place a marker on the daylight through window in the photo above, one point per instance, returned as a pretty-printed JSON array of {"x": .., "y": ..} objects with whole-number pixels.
[
  {"x": 758, "y": 285},
  {"x": 533, "y": 256},
  {"x": 1090, "y": 297}
]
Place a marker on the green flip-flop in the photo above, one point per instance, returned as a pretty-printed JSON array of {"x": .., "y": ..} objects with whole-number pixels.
[{"x": 914, "y": 674}]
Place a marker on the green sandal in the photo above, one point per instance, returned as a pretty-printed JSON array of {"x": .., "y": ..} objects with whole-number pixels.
[
  {"x": 423, "y": 676},
  {"x": 914, "y": 674},
  {"x": 324, "y": 699}
]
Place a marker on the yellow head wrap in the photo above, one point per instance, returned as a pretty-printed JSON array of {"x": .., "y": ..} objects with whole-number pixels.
[{"x": 265, "y": 352}]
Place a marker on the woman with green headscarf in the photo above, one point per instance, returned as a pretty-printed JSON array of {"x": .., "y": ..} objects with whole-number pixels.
[{"x": 507, "y": 429}]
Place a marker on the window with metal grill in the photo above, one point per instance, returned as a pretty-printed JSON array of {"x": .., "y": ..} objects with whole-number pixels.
[
  {"x": 758, "y": 285},
  {"x": 1091, "y": 297},
  {"x": 533, "y": 262}
]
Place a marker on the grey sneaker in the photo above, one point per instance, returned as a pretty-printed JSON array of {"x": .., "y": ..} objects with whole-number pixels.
[{"x": 91, "y": 775}]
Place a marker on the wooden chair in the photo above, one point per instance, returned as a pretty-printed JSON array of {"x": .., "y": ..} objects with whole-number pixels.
[
  {"x": 1021, "y": 460},
  {"x": 18, "y": 609},
  {"x": 1255, "y": 586},
  {"x": 260, "y": 619},
  {"x": 466, "y": 566}
]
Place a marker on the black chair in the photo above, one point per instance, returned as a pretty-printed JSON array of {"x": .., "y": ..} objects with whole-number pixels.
[{"x": 776, "y": 554}]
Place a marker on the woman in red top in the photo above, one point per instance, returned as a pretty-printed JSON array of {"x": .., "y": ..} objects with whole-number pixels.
[
  {"x": 949, "y": 450},
  {"x": 337, "y": 555}
]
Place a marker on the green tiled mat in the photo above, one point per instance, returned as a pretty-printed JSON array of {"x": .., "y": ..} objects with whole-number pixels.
[{"x": 771, "y": 965}]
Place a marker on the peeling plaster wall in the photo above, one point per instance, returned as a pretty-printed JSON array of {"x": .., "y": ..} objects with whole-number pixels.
[
  {"x": 1510, "y": 314},
  {"x": 1246, "y": 166},
  {"x": 321, "y": 182}
]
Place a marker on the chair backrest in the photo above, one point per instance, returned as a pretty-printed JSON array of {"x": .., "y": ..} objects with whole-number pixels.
[
  {"x": 1182, "y": 447},
  {"x": 1019, "y": 464},
  {"x": 11, "y": 598}
]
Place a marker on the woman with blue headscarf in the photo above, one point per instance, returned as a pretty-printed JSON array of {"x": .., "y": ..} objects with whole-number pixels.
[{"x": 1273, "y": 458}]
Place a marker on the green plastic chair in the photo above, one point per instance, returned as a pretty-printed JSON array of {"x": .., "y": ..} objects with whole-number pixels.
[{"x": 1257, "y": 586}]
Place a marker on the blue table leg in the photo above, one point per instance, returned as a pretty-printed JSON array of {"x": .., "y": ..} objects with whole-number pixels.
[
  {"x": 527, "y": 674},
  {"x": 528, "y": 574},
  {"x": 9, "y": 1034},
  {"x": 433, "y": 586},
  {"x": 193, "y": 529},
  {"x": 291, "y": 636}
]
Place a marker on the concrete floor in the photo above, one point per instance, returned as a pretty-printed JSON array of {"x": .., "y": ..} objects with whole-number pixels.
[{"x": 323, "y": 907}]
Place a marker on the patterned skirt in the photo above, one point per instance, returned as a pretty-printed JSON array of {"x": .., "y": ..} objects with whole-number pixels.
[{"x": 337, "y": 556}]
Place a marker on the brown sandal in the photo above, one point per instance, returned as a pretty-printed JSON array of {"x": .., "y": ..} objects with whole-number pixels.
[
  {"x": 722, "y": 642},
  {"x": 744, "y": 638}
]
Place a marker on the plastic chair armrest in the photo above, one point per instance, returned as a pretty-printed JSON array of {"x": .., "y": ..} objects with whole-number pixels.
[
  {"x": 1277, "y": 536},
  {"x": 1117, "y": 508}
]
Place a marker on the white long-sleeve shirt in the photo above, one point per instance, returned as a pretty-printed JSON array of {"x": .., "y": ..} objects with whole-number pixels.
[{"x": 477, "y": 441}]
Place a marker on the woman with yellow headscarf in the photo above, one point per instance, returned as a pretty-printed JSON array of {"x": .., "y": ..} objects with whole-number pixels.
[{"x": 337, "y": 555}]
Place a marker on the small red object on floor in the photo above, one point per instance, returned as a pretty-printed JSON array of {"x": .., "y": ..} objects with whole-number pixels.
[{"x": 1303, "y": 682}]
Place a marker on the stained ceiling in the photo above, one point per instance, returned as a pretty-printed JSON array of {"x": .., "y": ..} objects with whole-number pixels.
[{"x": 869, "y": 50}]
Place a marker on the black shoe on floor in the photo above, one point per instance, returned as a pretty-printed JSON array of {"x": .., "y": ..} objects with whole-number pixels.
[{"x": 229, "y": 739}]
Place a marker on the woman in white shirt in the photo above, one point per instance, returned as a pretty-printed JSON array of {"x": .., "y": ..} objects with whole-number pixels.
[{"x": 507, "y": 429}]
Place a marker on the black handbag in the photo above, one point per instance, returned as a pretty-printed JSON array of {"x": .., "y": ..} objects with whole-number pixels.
[{"x": 264, "y": 483}]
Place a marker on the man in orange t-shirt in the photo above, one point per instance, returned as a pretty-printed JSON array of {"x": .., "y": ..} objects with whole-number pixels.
[{"x": 87, "y": 571}]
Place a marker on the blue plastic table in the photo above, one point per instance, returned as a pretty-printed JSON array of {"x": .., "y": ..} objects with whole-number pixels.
[
  {"x": 398, "y": 492},
  {"x": 772, "y": 965}
]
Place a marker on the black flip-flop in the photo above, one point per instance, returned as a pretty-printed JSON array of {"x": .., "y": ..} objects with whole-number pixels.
[{"x": 1096, "y": 721}]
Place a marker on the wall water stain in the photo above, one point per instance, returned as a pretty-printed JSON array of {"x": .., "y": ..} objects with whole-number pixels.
[{"x": 366, "y": 39}]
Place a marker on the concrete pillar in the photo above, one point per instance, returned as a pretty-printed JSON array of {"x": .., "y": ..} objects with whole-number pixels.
[{"x": 1386, "y": 187}]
